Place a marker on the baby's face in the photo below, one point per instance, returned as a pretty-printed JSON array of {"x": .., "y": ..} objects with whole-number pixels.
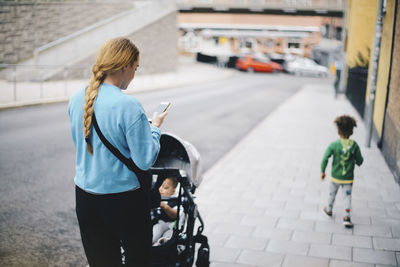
[{"x": 167, "y": 188}]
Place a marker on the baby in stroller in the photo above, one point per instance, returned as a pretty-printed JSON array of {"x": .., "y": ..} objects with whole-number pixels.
[
  {"x": 164, "y": 216},
  {"x": 176, "y": 175}
]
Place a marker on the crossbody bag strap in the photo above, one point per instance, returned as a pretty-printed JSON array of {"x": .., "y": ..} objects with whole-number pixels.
[{"x": 127, "y": 161}]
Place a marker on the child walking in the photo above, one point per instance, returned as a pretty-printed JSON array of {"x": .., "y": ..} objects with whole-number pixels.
[{"x": 346, "y": 153}]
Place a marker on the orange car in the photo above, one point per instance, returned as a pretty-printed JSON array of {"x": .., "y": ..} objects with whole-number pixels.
[{"x": 252, "y": 64}]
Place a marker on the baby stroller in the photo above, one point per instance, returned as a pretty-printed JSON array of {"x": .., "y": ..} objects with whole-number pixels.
[{"x": 180, "y": 159}]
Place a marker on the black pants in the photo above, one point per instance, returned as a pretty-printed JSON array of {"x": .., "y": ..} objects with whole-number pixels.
[{"x": 108, "y": 221}]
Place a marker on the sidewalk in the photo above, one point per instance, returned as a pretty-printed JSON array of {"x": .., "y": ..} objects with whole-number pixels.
[
  {"x": 262, "y": 202},
  {"x": 188, "y": 72}
]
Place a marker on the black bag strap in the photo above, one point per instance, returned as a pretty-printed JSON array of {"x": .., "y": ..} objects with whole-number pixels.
[{"x": 144, "y": 180}]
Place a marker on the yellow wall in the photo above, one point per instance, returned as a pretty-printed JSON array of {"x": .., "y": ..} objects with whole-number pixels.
[
  {"x": 383, "y": 66},
  {"x": 361, "y": 18}
]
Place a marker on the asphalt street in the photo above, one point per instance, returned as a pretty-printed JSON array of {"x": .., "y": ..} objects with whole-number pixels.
[{"x": 38, "y": 226}]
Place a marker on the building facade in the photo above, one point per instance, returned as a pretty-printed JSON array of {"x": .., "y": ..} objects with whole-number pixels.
[
  {"x": 265, "y": 33},
  {"x": 361, "y": 21}
]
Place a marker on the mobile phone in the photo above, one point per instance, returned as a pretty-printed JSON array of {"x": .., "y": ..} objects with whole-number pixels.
[{"x": 163, "y": 106}]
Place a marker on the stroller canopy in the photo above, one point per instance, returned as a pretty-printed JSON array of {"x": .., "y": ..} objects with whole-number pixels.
[{"x": 179, "y": 154}]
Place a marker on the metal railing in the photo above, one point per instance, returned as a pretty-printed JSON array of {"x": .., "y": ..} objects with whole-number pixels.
[{"x": 20, "y": 82}]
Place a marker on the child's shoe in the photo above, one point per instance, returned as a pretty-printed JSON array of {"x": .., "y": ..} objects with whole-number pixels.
[
  {"x": 347, "y": 222},
  {"x": 328, "y": 213}
]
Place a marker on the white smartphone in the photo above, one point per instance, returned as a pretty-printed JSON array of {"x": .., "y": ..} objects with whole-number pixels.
[{"x": 163, "y": 106}]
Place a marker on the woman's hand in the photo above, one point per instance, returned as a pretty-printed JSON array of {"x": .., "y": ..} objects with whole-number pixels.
[
  {"x": 157, "y": 120},
  {"x": 322, "y": 175}
]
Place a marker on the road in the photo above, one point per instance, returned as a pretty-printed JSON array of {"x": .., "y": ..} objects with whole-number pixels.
[{"x": 38, "y": 226}]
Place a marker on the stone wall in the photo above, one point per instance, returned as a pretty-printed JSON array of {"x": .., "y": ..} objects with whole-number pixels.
[
  {"x": 391, "y": 132},
  {"x": 25, "y": 26},
  {"x": 157, "y": 43}
]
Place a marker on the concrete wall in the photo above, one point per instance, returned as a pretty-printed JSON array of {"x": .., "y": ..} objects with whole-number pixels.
[
  {"x": 391, "y": 128},
  {"x": 25, "y": 26}
]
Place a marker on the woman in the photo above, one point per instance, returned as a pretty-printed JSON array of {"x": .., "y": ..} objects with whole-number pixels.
[{"x": 111, "y": 206}]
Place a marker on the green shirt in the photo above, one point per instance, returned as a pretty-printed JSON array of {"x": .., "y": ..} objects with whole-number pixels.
[{"x": 346, "y": 153}]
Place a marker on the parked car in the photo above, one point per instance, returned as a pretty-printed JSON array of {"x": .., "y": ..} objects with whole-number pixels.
[
  {"x": 306, "y": 66},
  {"x": 256, "y": 64}
]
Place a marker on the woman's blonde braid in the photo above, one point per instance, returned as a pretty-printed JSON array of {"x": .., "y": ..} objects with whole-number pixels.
[{"x": 90, "y": 97}]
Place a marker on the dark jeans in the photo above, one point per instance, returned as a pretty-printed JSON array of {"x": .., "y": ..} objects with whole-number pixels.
[{"x": 107, "y": 221}]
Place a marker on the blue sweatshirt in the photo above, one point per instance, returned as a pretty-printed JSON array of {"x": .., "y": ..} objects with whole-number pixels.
[{"x": 124, "y": 124}]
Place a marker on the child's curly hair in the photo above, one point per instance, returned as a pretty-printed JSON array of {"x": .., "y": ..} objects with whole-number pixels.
[{"x": 345, "y": 125}]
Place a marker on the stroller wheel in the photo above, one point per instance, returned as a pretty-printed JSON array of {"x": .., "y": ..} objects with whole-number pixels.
[{"x": 203, "y": 257}]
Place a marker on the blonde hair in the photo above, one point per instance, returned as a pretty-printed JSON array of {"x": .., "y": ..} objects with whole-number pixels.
[{"x": 114, "y": 55}]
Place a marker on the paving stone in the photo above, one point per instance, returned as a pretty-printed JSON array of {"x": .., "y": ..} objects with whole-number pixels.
[
  {"x": 209, "y": 227},
  {"x": 374, "y": 256},
  {"x": 295, "y": 224},
  {"x": 259, "y": 219},
  {"x": 281, "y": 213},
  {"x": 284, "y": 195},
  {"x": 352, "y": 241},
  {"x": 396, "y": 231},
  {"x": 337, "y": 263},
  {"x": 360, "y": 219},
  {"x": 376, "y": 204},
  {"x": 231, "y": 228},
  {"x": 218, "y": 264},
  {"x": 217, "y": 239},
  {"x": 316, "y": 199},
  {"x": 288, "y": 247},
  {"x": 301, "y": 261},
  {"x": 373, "y": 230},
  {"x": 268, "y": 204},
  {"x": 328, "y": 251},
  {"x": 315, "y": 216},
  {"x": 392, "y": 244},
  {"x": 398, "y": 258},
  {"x": 226, "y": 217},
  {"x": 384, "y": 221},
  {"x": 246, "y": 242},
  {"x": 355, "y": 219},
  {"x": 259, "y": 258},
  {"x": 393, "y": 213},
  {"x": 368, "y": 212},
  {"x": 391, "y": 194},
  {"x": 311, "y": 237},
  {"x": 221, "y": 254},
  {"x": 246, "y": 211},
  {"x": 300, "y": 205},
  {"x": 357, "y": 204},
  {"x": 331, "y": 227},
  {"x": 272, "y": 233}
]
